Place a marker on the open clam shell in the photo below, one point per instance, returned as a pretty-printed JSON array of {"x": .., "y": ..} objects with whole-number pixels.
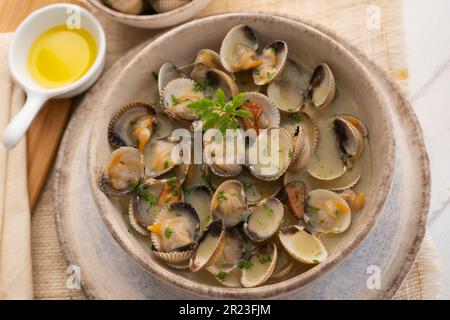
[
  {"x": 216, "y": 79},
  {"x": 167, "y": 73},
  {"x": 238, "y": 49},
  {"x": 264, "y": 113},
  {"x": 174, "y": 258},
  {"x": 264, "y": 220},
  {"x": 206, "y": 59},
  {"x": 357, "y": 122},
  {"x": 132, "y": 126},
  {"x": 175, "y": 228},
  {"x": 261, "y": 266},
  {"x": 200, "y": 198},
  {"x": 122, "y": 172},
  {"x": 244, "y": 81},
  {"x": 273, "y": 60},
  {"x": 322, "y": 87},
  {"x": 209, "y": 247},
  {"x": 327, "y": 212},
  {"x": 158, "y": 157},
  {"x": 285, "y": 264},
  {"x": 296, "y": 198},
  {"x": 302, "y": 150},
  {"x": 229, "y": 203},
  {"x": 177, "y": 95},
  {"x": 350, "y": 139},
  {"x": 288, "y": 91},
  {"x": 292, "y": 123},
  {"x": 270, "y": 155},
  {"x": 253, "y": 188},
  {"x": 302, "y": 245}
]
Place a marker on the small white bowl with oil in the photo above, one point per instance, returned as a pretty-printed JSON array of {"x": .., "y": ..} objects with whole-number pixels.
[{"x": 57, "y": 52}]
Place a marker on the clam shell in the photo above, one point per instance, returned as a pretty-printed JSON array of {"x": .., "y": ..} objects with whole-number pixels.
[
  {"x": 219, "y": 79},
  {"x": 122, "y": 121},
  {"x": 256, "y": 276},
  {"x": 302, "y": 151},
  {"x": 349, "y": 137},
  {"x": 274, "y": 171},
  {"x": 175, "y": 257},
  {"x": 155, "y": 149},
  {"x": 322, "y": 87},
  {"x": 260, "y": 74},
  {"x": 270, "y": 110},
  {"x": 209, "y": 247},
  {"x": 357, "y": 122},
  {"x": 230, "y": 188},
  {"x": 288, "y": 91},
  {"x": 317, "y": 217},
  {"x": 167, "y": 73},
  {"x": 292, "y": 122},
  {"x": 232, "y": 278},
  {"x": 284, "y": 272},
  {"x": 162, "y": 6},
  {"x": 180, "y": 88},
  {"x": 264, "y": 220},
  {"x": 131, "y": 174},
  {"x": 206, "y": 59},
  {"x": 302, "y": 245},
  {"x": 170, "y": 212},
  {"x": 238, "y": 35},
  {"x": 200, "y": 198}
]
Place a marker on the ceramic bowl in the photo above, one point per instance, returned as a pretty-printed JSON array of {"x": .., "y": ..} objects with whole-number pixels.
[
  {"x": 154, "y": 21},
  {"x": 305, "y": 44}
]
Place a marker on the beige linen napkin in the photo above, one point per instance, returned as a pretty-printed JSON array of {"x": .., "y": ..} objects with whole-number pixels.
[{"x": 15, "y": 248}]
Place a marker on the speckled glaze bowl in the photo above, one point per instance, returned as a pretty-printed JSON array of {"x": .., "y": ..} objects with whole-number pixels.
[
  {"x": 305, "y": 44},
  {"x": 154, "y": 21}
]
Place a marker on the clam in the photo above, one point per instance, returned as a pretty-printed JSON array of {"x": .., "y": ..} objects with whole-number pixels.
[
  {"x": 285, "y": 264},
  {"x": 175, "y": 228},
  {"x": 216, "y": 79},
  {"x": 200, "y": 199},
  {"x": 180, "y": 172},
  {"x": 205, "y": 60},
  {"x": 264, "y": 220},
  {"x": 302, "y": 150},
  {"x": 176, "y": 97},
  {"x": 134, "y": 7},
  {"x": 292, "y": 123},
  {"x": 158, "y": 157},
  {"x": 271, "y": 154},
  {"x": 244, "y": 81},
  {"x": 167, "y": 73},
  {"x": 302, "y": 245},
  {"x": 356, "y": 202},
  {"x": 225, "y": 268},
  {"x": 296, "y": 198},
  {"x": 357, "y": 122},
  {"x": 327, "y": 212},
  {"x": 289, "y": 89},
  {"x": 350, "y": 139},
  {"x": 197, "y": 175},
  {"x": 209, "y": 247},
  {"x": 150, "y": 198},
  {"x": 273, "y": 60},
  {"x": 260, "y": 267},
  {"x": 132, "y": 126},
  {"x": 229, "y": 203},
  {"x": 225, "y": 155},
  {"x": 238, "y": 49},
  {"x": 264, "y": 113},
  {"x": 322, "y": 88},
  {"x": 174, "y": 259},
  {"x": 122, "y": 172},
  {"x": 253, "y": 188},
  {"x": 162, "y": 6}
]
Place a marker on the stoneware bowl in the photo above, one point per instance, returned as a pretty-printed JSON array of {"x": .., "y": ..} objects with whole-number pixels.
[
  {"x": 154, "y": 21},
  {"x": 305, "y": 44}
]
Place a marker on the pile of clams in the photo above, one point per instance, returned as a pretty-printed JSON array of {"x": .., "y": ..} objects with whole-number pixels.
[{"x": 242, "y": 225}]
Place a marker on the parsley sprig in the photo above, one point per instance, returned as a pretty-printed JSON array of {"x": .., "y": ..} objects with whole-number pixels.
[{"x": 219, "y": 113}]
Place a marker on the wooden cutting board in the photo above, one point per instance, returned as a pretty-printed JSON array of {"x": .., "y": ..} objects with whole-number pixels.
[{"x": 45, "y": 133}]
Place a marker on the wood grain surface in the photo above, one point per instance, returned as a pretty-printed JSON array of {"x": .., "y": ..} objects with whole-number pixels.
[{"x": 44, "y": 136}]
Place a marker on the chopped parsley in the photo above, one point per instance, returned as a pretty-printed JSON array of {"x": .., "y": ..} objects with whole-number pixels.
[
  {"x": 222, "y": 275},
  {"x": 221, "y": 196},
  {"x": 296, "y": 118},
  {"x": 133, "y": 185},
  {"x": 168, "y": 233},
  {"x": 171, "y": 181},
  {"x": 147, "y": 196},
  {"x": 245, "y": 264},
  {"x": 264, "y": 259},
  {"x": 133, "y": 122},
  {"x": 175, "y": 192},
  {"x": 166, "y": 164},
  {"x": 175, "y": 100},
  {"x": 247, "y": 185},
  {"x": 312, "y": 208},
  {"x": 316, "y": 261},
  {"x": 268, "y": 209},
  {"x": 290, "y": 153}
]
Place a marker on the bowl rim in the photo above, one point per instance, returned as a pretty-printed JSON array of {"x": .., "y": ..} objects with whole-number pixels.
[
  {"x": 286, "y": 286},
  {"x": 138, "y": 17}
]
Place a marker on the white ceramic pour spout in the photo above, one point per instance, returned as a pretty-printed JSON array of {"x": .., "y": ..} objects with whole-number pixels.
[{"x": 33, "y": 26}]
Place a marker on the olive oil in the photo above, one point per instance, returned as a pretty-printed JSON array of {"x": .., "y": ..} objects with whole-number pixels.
[{"x": 60, "y": 56}]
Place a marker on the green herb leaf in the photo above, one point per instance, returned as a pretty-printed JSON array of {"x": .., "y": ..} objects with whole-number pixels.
[
  {"x": 245, "y": 264},
  {"x": 133, "y": 186},
  {"x": 264, "y": 259},
  {"x": 168, "y": 233},
  {"x": 147, "y": 196},
  {"x": 221, "y": 196},
  {"x": 175, "y": 100},
  {"x": 316, "y": 261},
  {"x": 222, "y": 275},
  {"x": 312, "y": 208},
  {"x": 268, "y": 209}
]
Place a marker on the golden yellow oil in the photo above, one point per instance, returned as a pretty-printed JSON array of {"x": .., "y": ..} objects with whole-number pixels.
[{"x": 61, "y": 56}]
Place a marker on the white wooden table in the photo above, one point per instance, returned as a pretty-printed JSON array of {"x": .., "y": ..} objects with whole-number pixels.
[{"x": 427, "y": 28}]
